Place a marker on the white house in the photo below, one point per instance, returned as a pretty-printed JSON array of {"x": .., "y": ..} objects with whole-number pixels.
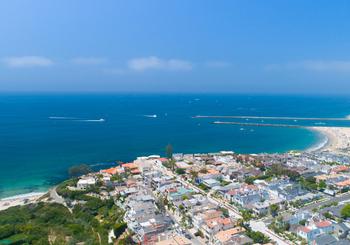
[{"x": 86, "y": 182}]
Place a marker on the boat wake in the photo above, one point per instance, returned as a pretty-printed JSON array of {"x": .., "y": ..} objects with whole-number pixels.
[
  {"x": 93, "y": 120},
  {"x": 151, "y": 116},
  {"x": 63, "y": 118},
  {"x": 76, "y": 119}
]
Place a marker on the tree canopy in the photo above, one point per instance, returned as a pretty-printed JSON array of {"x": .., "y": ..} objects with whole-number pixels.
[
  {"x": 169, "y": 151},
  {"x": 345, "y": 212}
]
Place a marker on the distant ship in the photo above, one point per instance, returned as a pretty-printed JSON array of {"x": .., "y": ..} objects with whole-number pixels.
[{"x": 151, "y": 116}]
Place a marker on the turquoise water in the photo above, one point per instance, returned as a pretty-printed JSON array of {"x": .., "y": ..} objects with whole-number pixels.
[{"x": 36, "y": 150}]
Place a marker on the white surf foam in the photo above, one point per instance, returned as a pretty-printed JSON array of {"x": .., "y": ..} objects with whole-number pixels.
[
  {"x": 319, "y": 145},
  {"x": 23, "y": 196}
]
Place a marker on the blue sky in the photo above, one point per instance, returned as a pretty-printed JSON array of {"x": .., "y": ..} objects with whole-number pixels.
[{"x": 175, "y": 46}]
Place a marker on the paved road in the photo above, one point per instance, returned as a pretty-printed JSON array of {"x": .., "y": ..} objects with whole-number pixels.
[
  {"x": 339, "y": 198},
  {"x": 310, "y": 207},
  {"x": 55, "y": 197}
]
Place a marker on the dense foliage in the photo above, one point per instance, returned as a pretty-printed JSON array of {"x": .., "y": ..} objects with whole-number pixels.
[
  {"x": 345, "y": 212},
  {"x": 51, "y": 223},
  {"x": 258, "y": 237}
]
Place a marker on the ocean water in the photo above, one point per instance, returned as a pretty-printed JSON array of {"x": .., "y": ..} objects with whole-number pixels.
[{"x": 42, "y": 135}]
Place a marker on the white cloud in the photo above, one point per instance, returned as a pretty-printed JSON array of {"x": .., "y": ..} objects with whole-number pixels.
[
  {"x": 155, "y": 63},
  {"x": 27, "y": 61},
  {"x": 338, "y": 66},
  {"x": 333, "y": 65},
  {"x": 88, "y": 60},
  {"x": 218, "y": 64}
]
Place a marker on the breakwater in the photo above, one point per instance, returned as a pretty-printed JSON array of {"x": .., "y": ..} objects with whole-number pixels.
[
  {"x": 278, "y": 118},
  {"x": 260, "y": 124}
]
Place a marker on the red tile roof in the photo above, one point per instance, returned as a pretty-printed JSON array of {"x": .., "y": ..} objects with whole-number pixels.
[
  {"x": 163, "y": 159},
  {"x": 323, "y": 224},
  {"x": 110, "y": 170},
  {"x": 129, "y": 165},
  {"x": 340, "y": 169},
  {"x": 305, "y": 229}
]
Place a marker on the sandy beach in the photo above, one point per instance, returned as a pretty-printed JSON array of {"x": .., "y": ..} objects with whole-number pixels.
[
  {"x": 20, "y": 200},
  {"x": 338, "y": 139}
]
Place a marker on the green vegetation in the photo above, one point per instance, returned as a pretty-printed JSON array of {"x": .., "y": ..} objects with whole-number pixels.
[
  {"x": 203, "y": 187},
  {"x": 302, "y": 222},
  {"x": 225, "y": 212},
  {"x": 246, "y": 214},
  {"x": 117, "y": 178},
  {"x": 275, "y": 170},
  {"x": 250, "y": 179},
  {"x": 50, "y": 223},
  {"x": 345, "y": 212},
  {"x": 224, "y": 182},
  {"x": 119, "y": 228},
  {"x": 126, "y": 241},
  {"x": 274, "y": 209},
  {"x": 296, "y": 204},
  {"x": 309, "y": 183},
  {"x": 322, "y": 185},
  {"x": 180, "y": 171},
  {"x": 328, "y": 215},
  {"x": 79, "y": 170},
  {"x": 331, "y": 163},
  {"x": 257, "y": 236},
  {"x": 279, "y": 170},
  {"x": 169, "y": 151},
  {"x": 279, "y": 226},
  {"x": 63, "y": 191},
  {"x": 184, "y": 197}
]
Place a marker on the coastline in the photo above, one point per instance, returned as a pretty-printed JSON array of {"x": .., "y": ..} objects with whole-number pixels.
[
  {"x": 21, "y": 199},
  {"x": 333, "y": 139},
  {"x": 321, "y": 144},
  {"x": 336, "y": 140}
]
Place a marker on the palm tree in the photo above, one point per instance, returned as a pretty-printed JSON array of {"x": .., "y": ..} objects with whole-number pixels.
[{"x": 169, "y": 151}]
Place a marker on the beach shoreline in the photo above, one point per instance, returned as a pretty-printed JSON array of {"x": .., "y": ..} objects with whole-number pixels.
[
  {"x": 321, "y": 144},
  {"x": 336, "y": 140},
  {"x": 21, "y": 199},
  {"x": 332, "y": 139}
]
